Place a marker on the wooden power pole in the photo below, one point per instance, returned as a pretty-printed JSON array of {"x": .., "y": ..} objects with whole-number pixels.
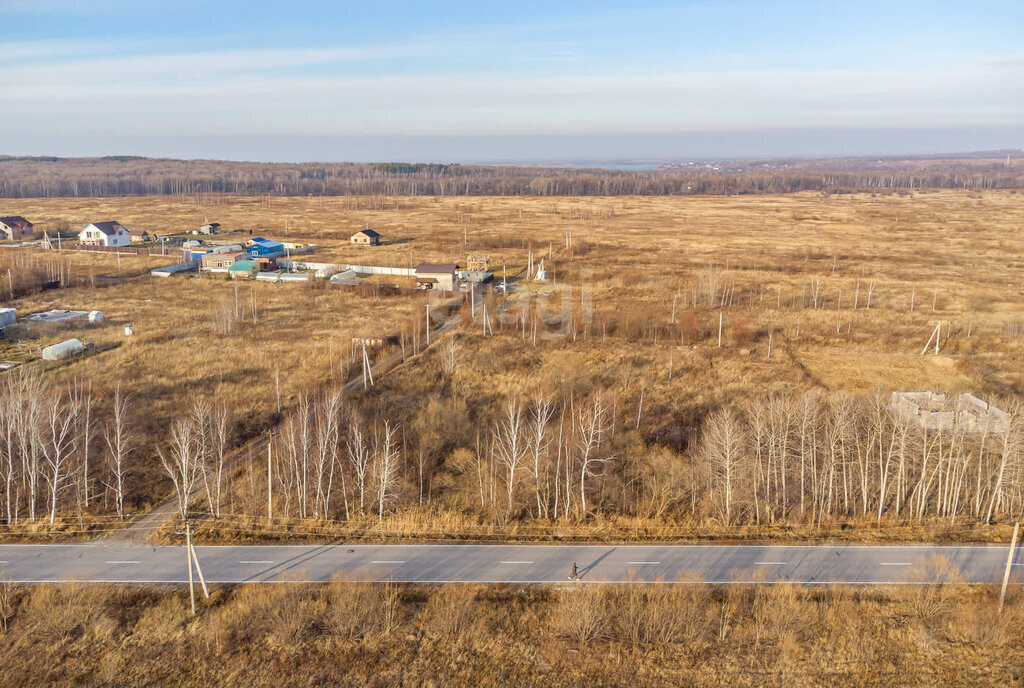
[
  {"x": 1009, "y": 565},
  {"x": 270, "y": 475},
  {"x": 188, "y": 556}
]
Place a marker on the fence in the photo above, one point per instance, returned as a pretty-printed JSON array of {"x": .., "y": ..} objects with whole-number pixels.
[{"x": 126, "y": 250}]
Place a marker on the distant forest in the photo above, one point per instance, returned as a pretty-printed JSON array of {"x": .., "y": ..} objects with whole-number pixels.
[{"x": 23, "y": 177}]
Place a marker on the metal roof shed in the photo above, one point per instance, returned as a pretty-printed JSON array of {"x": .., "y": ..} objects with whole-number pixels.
[{"x": 243, "y": 268}]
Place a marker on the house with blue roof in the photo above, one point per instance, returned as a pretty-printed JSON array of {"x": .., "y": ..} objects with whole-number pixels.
[{"x": 265, "y": 249}]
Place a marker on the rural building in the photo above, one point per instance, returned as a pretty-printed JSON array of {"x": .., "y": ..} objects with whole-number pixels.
[
  {"x": 436, "y": 276},
  {"x": 244, "y": 268},
  {"x": 365, "y": 237},
  {"x": 264, "y": 249},
  {"x": 227, "y": 248},
  {"x": 267, "y": 263},
  {"x": 109, "y": 233},
  {"x": 140, "y": 236},
  {"x": 254, "y": 240},
  {"x": 220, "y": 261},
  {"x": 210, "y": 228},
  {"x": 964, "y": 412},
  {"x": 15, "y": 227}
]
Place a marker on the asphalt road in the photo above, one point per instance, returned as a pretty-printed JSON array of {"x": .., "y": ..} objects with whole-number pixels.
[{"x": 858, "y": 564}]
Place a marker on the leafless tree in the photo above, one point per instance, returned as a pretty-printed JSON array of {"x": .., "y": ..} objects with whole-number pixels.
[
  {"x": 59, "y": 444},
  {"x": 539, "y": 443},
  {"x": 386, "y": 464},
  {"x": 510, "y": 447},
  {"x": 82, "y": 396},
  {"x": 327, "y": 412},
  {"x": 181, "y": 462},
  {"x": 592, "y": 423},
  {"x": 722, "y": 444},
  {"x": 360, "y": 456},
  {"x": 119, "y": 440}
]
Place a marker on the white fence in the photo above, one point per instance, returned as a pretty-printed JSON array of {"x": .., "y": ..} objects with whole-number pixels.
[{"x": 379, "y": 270}]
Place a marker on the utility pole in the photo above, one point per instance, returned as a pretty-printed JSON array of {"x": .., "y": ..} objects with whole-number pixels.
[
  {"x": 719, "y": 329},
  {"x": 428, "y": 324},
  {"x": 195, "y": 560},
  {"x": 1009, "y": 564},
  {"x": 188, "y": 556},
  {"x": 367, "y": 372},
  {"x": 270, "y": 475}
]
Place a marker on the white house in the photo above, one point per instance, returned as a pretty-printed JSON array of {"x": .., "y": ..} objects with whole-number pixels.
[{"x": 109, "y": 233}]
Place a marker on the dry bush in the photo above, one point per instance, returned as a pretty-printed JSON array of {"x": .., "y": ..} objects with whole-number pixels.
[
  {"x": 357, "y": 611},
  {"x": 8, "y": 599},
  {"x": 779, "y": 613},
  {"x": 933, "y": 601},
  {"x": 582, "y": 613},
  {"x": 283, "y": 616},
  {"x": 161, "y": 623},
  {"x": 67, "y": 611},
  {"x": 655, "y": 615},
  {"x": 450, "y": 612}
]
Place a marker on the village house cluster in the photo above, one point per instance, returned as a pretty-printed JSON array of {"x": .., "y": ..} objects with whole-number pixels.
[{"x": 251, "y": 257}]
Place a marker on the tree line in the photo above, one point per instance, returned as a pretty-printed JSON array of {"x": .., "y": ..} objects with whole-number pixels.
[
  {"x": 132, "y": 176},
  {"x": 791, "y": 458}
]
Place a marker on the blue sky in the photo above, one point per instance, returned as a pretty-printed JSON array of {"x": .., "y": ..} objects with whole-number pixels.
[{"x": 523, "y": 81}]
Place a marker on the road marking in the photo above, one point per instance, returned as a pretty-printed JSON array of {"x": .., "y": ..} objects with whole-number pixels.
[
  {"x": 894, "y": 563},
  {"x": 387, "y": 561},
  {"x": 124, "y": 562},
  {"x": 769, "y": 563},
  {"x": 517, "y": 562},
  {"x": 253, "y": 561},
  {"x": 642, "y": 563}
]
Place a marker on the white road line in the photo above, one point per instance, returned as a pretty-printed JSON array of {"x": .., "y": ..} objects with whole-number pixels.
[
  {"x": 266, "y": 561},
  {"x": 894, "y": 563},
  {"x": 124, "y": 562},
  {"x": 642, "y": 563},
  {"x": 387, "y": 561},
  {"x": 517, "y": 562},
  {"x": 769, "y": 563}
]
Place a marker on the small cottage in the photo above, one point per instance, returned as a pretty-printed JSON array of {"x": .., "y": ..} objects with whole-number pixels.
[
  {"x": 436, "y": 276},
  {"x": 16, "y": 228},
  {"x": 210, "y": 228},
  {"x": 220, "y": 261},
  {"x": 365, "y": 237},
  {"x": 109, "y": 233}
]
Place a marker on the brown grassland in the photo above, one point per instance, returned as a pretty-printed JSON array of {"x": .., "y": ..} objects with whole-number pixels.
[
  {"x": 818, "y": 293},
  {"x": 356, "y": 634},
  {"x": 656, "y": 431}
]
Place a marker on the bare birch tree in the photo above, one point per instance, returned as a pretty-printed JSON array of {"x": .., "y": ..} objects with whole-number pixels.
[
  {"x": 119, "y": 440},
  {"x": 59, "y": 444},
  {"x": 181, "y": 462},
  {"x": 386, "y": 464}
]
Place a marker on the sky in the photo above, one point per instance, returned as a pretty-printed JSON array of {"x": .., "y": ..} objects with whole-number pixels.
[{"x": 525, "y": 81}]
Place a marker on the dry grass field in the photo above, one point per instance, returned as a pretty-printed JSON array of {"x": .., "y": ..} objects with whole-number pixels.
[
  {"x": 470, "y": 635},
  {"x": 834, "y": 293}
]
